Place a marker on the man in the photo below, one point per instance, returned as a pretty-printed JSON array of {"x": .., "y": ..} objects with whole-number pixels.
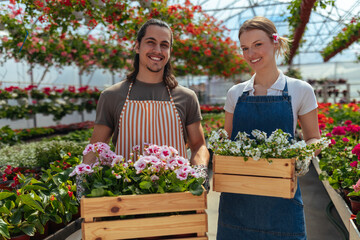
[{"x": 149, "y": 106}]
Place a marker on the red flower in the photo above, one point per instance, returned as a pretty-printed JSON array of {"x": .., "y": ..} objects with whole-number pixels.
[
  {"x": 339, "y": 130},
  {"x": 354, "y": 164},
  {"x": 70, "y": 193},
  {"x": 348, "y": 122},
  {"x": 52, "y": 198},
  {"x": 356, "y": 150},
  {"x": 207, "y": 52}
]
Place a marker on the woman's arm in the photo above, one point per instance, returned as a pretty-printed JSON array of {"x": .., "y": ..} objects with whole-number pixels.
[
  {"x": 228, "y": 123},
  {"x": 310, "y": 127}
]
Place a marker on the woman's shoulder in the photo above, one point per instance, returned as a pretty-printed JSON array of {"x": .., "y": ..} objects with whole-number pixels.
[
  {"x": 298, "y": 84},
  {"x": 238, "y": 88}
]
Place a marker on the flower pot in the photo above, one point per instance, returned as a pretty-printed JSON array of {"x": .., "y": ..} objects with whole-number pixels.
[
  {"x": 345, "y": 193},
  {"x": 355, "y": 205},
  {"x": 21, "y": 237}
]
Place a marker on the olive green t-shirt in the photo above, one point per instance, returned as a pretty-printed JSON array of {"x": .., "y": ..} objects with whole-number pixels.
[{"x": 112, "y": 100}]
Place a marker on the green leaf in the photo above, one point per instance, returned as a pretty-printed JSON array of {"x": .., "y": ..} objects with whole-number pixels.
[
  {"x": 26, "y": 199},
  {"x": 4, "y": 210},
  {"x": 28, "y": 229},
  {"x": 4, "y": 230},
  {"x": 97, "y": 192},
  {"x": 145, "y": 185},
  {"x": 16, "y": 217},
  {"x": 4, "y": 195},
  {"x": 196, "y": 188}
]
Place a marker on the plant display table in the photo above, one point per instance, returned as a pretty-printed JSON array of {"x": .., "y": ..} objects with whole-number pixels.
[
  {"x": 340, "y": 205},
  {"x": 235, "y": 175},
  {"x": 149, "y": 216}
]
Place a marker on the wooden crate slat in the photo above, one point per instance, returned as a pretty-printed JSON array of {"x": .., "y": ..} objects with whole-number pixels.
[
  {"x": 141, "y": 204},
  {"x": 265, "y": 186},
  {"x": 145, "y": 227},
  {"x": 237, "y": 165}
]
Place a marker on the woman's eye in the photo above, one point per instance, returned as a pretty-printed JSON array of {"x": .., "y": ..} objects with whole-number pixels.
[
  {"x": 244, "y": 49},
  {"x": 258, "y": 44}
]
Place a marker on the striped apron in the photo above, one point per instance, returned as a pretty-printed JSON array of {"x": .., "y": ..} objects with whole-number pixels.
[{"x": 149, "y": 122}]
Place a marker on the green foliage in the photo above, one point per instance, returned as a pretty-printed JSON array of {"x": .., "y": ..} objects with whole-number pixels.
[
  {"x": 38, "y": 154},
  {"x": 294, "y": 73}
]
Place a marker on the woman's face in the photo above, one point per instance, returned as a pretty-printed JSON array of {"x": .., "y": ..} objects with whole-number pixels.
[{"x": 258, "y": 49}]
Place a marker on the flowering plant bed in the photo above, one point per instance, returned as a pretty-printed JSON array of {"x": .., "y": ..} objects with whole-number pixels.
[{"x": 264, "y": 165}]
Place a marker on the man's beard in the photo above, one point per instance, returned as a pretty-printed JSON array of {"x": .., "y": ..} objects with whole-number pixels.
[{"x": 155, "y": 71}]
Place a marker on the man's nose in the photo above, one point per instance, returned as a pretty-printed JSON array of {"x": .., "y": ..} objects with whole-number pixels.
[{"x": 157, "y": 48}]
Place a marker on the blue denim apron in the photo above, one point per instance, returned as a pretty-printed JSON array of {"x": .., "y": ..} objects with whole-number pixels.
[{"x": 251, "y": 217}]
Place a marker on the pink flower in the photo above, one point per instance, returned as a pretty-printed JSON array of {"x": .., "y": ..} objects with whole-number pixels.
[
  {"x": 328, "y": 135},
  {"x": 345, "y": 139},
  {"x": 154, "y": 178},
  {"x": 348, "y": 122},
  {"x": 182, "y": 161},
  {"x": 140, "y": 165},
  {"x": 356, "y": 187},
  {"x": 356, "y": 150},
  {"x": 339, "y": 130},
  {"x": 333, "y": 142},
  {"x": 81, "y": 169},
  {"x": 322, "y": 126},
  {"x": 354, "y": 164},
  {"x": 182, "y": 175}
]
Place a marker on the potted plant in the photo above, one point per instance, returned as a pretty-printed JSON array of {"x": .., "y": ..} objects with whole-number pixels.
[{"x": 20, "y": 214}]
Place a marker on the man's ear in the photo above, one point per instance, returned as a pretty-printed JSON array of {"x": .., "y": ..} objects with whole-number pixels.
[{"x": 137, "y": 46}]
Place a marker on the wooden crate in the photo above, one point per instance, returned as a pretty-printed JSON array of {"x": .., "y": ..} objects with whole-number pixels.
[
  {"x": 145, "y": 225},
  {"x": 235, "y": 175}
]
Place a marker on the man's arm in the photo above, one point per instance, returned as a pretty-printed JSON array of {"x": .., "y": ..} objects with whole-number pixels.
[
  {"x": 199, "y": 152},
  {"x": 101, "y": 133}
]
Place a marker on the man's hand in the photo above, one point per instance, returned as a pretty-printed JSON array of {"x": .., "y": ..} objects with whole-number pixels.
[{"x": 202, "y": 170}]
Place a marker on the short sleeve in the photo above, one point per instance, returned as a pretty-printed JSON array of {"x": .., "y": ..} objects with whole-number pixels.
[
  {"x": 105, "y": 115},
  {"x": 193, "y": 112},
  {"x": 308, "y": 99},
  {"x": 231, "y": 100}
]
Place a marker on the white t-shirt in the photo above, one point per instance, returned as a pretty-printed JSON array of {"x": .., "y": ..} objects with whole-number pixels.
[{"x": 303, "y": 99}]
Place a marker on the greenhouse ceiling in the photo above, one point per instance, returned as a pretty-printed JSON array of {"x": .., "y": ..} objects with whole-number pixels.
[{"x": 323, "y": 26}]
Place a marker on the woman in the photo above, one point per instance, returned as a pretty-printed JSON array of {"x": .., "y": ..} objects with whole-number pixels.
[{"x": 268, "y": 101}]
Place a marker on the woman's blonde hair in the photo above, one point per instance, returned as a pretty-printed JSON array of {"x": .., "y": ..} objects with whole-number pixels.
[{"x": 264, "y": 24}]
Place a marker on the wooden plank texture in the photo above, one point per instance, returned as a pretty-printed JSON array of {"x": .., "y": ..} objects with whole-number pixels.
[
  {"x": 145, "y": 227},
  {"x": 141, "y": 204},
  {"x": 254, "y": 185},
  {"x": 284, "y": 168}
]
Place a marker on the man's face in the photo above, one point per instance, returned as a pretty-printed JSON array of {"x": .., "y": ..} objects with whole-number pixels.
[{"x": 154, "y": 49}]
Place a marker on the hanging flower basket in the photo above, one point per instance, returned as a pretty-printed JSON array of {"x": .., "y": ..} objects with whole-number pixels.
[{"x": 349, "y": 35}]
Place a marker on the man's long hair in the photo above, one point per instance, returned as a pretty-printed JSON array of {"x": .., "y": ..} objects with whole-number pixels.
[{"x": 168, "y": 76}]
